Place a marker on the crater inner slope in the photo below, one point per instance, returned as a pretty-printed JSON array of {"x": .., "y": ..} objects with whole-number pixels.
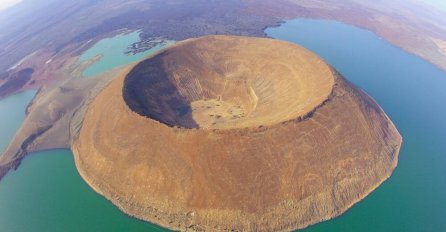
[{"x": 217, "y": 82}]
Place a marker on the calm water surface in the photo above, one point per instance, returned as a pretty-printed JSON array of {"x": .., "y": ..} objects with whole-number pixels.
[
  {"x": 413, "y": 94},
  {"x": 12, "y": 114},
  {"x": 112, "y": 53},
  {"x": 47, "y": 194}
]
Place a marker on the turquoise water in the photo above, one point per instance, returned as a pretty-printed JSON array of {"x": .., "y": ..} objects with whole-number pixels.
[
  {"x": 112, "y": 53},
  {"x": 413, "y": 94},
  {"x": 47, "y": 194},
  {"x": 12, "y": 114}
]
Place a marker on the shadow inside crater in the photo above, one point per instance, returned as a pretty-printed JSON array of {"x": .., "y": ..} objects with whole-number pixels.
[{"x": 149, "y": 92}]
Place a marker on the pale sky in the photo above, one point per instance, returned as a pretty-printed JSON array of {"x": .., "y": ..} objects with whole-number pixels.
[
  {"x": 8, "y": 3},
  {"x": 440, "y": 4}
]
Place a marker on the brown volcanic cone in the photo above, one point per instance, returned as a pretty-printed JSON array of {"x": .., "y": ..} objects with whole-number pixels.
[{"x": 236, "y": 133}]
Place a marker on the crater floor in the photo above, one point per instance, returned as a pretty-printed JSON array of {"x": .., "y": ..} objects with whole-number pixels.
[{"x": 234, "y": 133}]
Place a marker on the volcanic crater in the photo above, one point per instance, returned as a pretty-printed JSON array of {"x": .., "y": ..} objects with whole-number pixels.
[
  {"x": 199, "y": 86},
  {"x": 234, "y": 133}
]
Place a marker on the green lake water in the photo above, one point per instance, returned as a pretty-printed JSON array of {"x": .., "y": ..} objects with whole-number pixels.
[
  {"x": 12, "y": 114},
  {"x": 47, "y": 194},
  {"x": 112, "y": 53}
]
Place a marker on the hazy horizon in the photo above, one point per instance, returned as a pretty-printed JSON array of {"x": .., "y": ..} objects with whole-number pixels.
[{"x": 440, "y": 4}]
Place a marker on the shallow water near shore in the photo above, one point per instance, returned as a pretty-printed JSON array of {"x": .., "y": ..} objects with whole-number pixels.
[
  {"x": 47, "y": 194},
  {"x": 12, "y": 114},
  {"x": 112, "y": 52}
]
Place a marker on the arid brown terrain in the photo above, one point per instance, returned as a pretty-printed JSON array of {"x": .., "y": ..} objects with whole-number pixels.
[{"x": 234, "y": 133}]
